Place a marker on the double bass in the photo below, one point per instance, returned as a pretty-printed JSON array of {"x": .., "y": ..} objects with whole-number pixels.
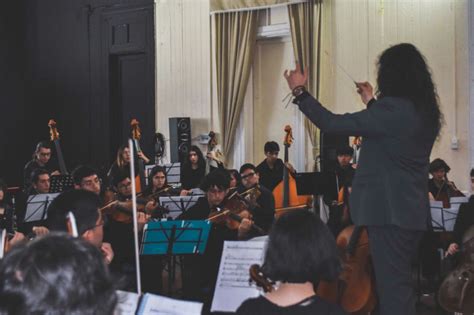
[
  {"x": 140, "y": 181},
  {"x": 285, "y": 193},
  {"x": 53, "y": 130}
]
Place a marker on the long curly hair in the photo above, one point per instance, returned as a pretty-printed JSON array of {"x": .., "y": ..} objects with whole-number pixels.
[{"x": 403, "y": 72}]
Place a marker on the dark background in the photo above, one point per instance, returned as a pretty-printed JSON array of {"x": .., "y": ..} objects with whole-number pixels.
[{"x": 88, "y": 64}]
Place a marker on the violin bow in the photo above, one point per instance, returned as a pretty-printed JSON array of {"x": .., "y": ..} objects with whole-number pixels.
[{"x": 134, "y": 216}]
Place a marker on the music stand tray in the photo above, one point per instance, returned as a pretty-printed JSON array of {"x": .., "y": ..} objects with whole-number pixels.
[
  {"x": 176, "y": 205},
  {"x": 316, "y": 183},
  {"x": 60, "y": 183},
  {"x": 175, "y": 237},
  {"x": 37, "y": 206}
]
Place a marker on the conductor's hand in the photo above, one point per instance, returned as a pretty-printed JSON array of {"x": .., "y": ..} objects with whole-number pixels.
[
  {"x": 366, "y": 91},
  {"x": 296, "y": 77}
]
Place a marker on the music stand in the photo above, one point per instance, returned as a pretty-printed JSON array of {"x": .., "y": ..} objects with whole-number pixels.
[
  {"x": 60, "y": 183},
  {"x": 171, "y": 238},
  {"x": 443, "y": 219},
  {"x": 316, "y": 183},
  {"x": 178, "y": 204},
  {"x": 37, "y": 206}
]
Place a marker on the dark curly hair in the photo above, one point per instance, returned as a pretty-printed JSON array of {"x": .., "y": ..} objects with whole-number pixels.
[{"x": 403, "y": 72}]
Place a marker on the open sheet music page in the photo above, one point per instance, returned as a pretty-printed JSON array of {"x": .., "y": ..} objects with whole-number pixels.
[
  {"x": 127, "y": 303},
  {"x": 233, "y": 286},
  {"x": 155, "y": 304}
]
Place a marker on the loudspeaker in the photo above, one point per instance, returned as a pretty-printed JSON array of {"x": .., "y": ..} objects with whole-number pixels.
[
  {"x": 180, "y": 138},
  {"x": 329, "y": 143}
]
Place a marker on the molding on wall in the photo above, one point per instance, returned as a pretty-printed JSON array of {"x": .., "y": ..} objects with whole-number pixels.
[{"x": 471, "y": 81}]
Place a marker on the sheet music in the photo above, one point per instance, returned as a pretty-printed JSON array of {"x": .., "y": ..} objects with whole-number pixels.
[
  {"x": 156, "y": 304},
  {"x": 233, "y": 286},
  {"x": 127, "y": 303}
]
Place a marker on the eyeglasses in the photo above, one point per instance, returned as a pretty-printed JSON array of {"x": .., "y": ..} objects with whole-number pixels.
[{"x": 248, "y": 175}]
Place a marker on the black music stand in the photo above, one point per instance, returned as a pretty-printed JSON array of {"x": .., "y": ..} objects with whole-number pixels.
[
  {"x": 316, "y": 183},
  {"x": 60, "y": 183},
  {"x": 176, "y": 205},
  {"x": 172, "y": 238},
  {"x": 37, "y": 206}
]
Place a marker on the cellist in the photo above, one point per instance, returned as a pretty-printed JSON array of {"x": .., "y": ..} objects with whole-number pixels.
[{"x": 271, "y": 168}]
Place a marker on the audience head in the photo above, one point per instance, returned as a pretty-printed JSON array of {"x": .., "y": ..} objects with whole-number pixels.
[
  {"x": 301, "y": 249},
  {"x": 249, "y": 175},
  {"x": 157, "y": 178},
  {"x": 216, "y": 186},
  {"x": 86, "y": 178},
  {"x": 271, "y": 149},
  {"x": 344, "y": 155},
  {"x": 84, "y": 205},
  {"x": 403, "y": 72},
  {"x": 438, "y": 169},
  {"x": 40, "y": 180},
  {"x": 55, "y": 274},
  {"x": 235, "y": 178},
  {"x": 42, "y": 152}
]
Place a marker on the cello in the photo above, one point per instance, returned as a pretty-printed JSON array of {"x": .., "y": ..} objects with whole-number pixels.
[
  {"x": 136, "y": 136},
  {"x": 285, "y": 193},
  {"x": 53, "y": 131}
]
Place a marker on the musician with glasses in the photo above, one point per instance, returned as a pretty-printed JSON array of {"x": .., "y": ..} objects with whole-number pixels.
[
  {"x": 41, "y": 159},
  {"x": 263, "y": 207}
]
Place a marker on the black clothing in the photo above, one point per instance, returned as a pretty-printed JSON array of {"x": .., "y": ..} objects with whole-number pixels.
[
  {"x": 443, "y": 193},
  {"x": 464, "y": 220},
  {"x": 191, "y": 178},
  {"x": 200, "y": 271},
  {"x": 7, "y": 217},
  {"x": 264, "y": 212},
  {"x": 344, "y": 174},
  {"x": 311, "y": 306},
  {"x": 393, "y": 250},
  {"x": 270, "y": 177}
]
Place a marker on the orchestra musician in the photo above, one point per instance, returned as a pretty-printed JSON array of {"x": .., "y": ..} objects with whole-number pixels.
[
  {"x": 439, "y": 186},
  {"x": 271, "y": 168},
  {"x": 193, "y": 169},
  {"x": 390, "y": 193},
  {"x": 235, "y": 178},
  {"x": 41, "y": 159},
  {"x": 300, "y": 252},
  {"x": 200, "y": 271},
  {"x": 122, "y": 162},
  {"x": 7, "y": 216},
  {"x": 84, "y": 205},
  {"x": 263, "y": 211},
  {"x": 86, "y": 178}
]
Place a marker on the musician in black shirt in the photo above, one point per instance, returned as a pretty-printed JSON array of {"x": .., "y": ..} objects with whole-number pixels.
[
  {"x": 193, "y": 169},
  {"x": 271, "y": 169},
  {"x": 41, "y": 159}
]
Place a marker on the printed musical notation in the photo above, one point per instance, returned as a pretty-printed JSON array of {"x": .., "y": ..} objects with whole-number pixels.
[{"x": 233, "y": 285}]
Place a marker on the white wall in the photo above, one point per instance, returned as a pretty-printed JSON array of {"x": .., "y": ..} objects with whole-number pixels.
[{"x": 182, "y": 64}]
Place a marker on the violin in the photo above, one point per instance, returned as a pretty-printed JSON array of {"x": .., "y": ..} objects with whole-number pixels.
[
  {"x": 456, "y": 293},
  {"x": 257, "y": 276},
  {"x": 233, "y": 210},
  {"x": 120, "y": 211}
]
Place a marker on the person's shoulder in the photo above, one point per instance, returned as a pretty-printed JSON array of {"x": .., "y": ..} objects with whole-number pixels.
[
  {"x": 393, "y": 103},
  {"x": 31, "y": 164},
  {"x": 252, "y": 306},
  {"x": 264, "y": 190},
  {"x": 261, "y": 165}
]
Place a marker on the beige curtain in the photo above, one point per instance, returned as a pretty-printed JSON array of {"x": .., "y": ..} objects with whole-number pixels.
[
  {"x": 235, "y": 37},
  {"x": 219, "y": 6},
  {"x": 305, "y": 23}
]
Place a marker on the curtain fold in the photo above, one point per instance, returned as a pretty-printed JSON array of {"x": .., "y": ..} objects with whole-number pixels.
[
  {"x": 305, "y": 24},
  {"x": 235, "y": 38}
]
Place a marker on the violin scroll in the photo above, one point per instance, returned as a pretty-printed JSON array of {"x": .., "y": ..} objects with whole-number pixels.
[{"x": 257, "y": 276}]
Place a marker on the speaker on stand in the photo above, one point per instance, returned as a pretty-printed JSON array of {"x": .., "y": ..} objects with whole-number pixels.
[{"x": 180, "y": 138}]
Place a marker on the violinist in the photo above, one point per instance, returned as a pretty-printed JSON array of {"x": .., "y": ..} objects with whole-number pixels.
[
  {"x": 464, "y": 221},
  {"x": 263, "y": 211},
  {"x": 235, "y": 178},
  {"x": 193, "y": 169},
  {"x": 40, "y": 182},
  {"x": 122, "y": 162},
  {"x": 200, "y": 272},
  {"x": 310, "y": 255},
  {"x": 90, "y": 224},
  {"x": 41, "y": 159},
  {"x": 86, "y": 178},
  {"x": 439, "y": 186}
]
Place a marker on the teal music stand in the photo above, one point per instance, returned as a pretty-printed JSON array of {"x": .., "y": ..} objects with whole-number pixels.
[{"x": 172, "y": 238}]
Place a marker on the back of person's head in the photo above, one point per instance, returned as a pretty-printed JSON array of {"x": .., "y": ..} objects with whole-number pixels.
[
  {"x": 81, "y": 172},
  {"x": 36, "y": 173},
  {"x": 439, "y": 164},
  {"x": 83, "y": 204},
  {"x": 271, "y": 146},
  {"x": 403, "y": 72},
  {"x": 247, "y": 166},
  {"x": 301, "y": 249},
  {"x": 345, "y": 150},
  {"x": 218, "y": 178},
  {"x": 55, "y": 274}
]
